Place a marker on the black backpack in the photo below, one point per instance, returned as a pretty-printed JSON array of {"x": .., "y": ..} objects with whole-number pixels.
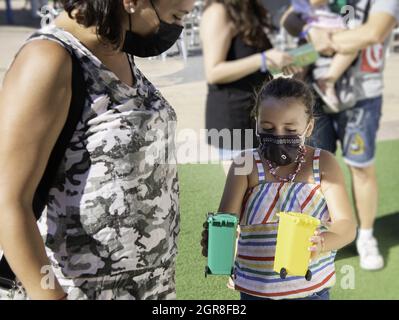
[{"x": 58, "y": 152}]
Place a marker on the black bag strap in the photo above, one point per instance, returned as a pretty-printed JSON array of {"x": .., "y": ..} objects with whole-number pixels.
[{"x": 58, "y": 152}]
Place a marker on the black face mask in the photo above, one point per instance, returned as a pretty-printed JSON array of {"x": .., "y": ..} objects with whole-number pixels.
[
  {"x": 152, "y": 45},
  {"x": 281, "y": 150}
]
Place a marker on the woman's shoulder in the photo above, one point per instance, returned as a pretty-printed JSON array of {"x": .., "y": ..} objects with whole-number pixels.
[
  {"x": 33, "y": 55},
  {"x": 45, "y": 47},
  {"x": 42, "y": 66},
  {"x": 216, "y": 8},
  {"x": 218, "y": 12}
]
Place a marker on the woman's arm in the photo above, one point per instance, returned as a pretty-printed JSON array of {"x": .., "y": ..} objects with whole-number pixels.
[
  {"x": 34, "y": 103},
  {"x": 342, "y": 229},
  {"x": 217, "y": 33}
]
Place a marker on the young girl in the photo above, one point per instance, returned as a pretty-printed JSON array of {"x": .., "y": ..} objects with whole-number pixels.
[{"x": 286, "y": 175}]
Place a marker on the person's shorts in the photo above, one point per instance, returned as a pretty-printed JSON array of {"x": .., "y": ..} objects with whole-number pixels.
[{"x": 356, "y": 130}]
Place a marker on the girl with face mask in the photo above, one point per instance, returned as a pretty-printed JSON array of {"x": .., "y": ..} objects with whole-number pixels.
[
  {"x": 285, "y": 175},
  {"x": 112, "y": 220}
]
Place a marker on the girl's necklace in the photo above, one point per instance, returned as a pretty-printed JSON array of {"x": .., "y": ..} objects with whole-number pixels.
[{"x": 300, "y": 159}]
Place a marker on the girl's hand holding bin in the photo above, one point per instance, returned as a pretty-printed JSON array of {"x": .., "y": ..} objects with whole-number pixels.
[
  {"x": 204, "y": 239},
  {"x": 318, "y": 246},
  {"x": 220, "y": 238}
]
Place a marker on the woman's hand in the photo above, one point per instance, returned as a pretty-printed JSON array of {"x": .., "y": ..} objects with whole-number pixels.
[
  {"x": 292, "y": 70},
  {"x": 318, "y": 245},
  {"x": 204, "y": 240},
  {"x": 276, "y": 59}
]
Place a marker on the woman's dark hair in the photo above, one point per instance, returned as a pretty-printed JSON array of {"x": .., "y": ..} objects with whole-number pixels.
[
  {"x": 104, "y": 15},
  {"x": 283, "y": 88},
  {"x": 250, "y": 18}
]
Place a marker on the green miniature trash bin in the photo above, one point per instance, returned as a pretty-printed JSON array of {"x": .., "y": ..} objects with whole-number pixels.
[{"x": 222, "y": 229}]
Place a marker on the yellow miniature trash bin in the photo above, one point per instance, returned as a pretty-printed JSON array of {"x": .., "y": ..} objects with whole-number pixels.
[{"x": 292, "y": 248}]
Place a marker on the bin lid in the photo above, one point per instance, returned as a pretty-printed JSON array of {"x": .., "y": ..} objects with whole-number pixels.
[
  {"x": 223, "y": 218},
  {"x": 300, "y": 218}
]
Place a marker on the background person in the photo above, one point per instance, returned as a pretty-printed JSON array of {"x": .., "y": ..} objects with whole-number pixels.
[
  {"x": 357, "y": 127},
  {"x": 237, "y": 56}
]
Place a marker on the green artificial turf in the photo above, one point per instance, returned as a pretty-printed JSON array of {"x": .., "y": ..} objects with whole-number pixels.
[{"x": 201, "y": 189}]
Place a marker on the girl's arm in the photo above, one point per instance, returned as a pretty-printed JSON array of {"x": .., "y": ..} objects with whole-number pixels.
[
  {"x": 342, "y": 229},
  {"x": 235, "y": 188},
  {"x": 234, "y": 191},
  {"x": 217, "y": 33},
  {"x": 34, "y": 103}
]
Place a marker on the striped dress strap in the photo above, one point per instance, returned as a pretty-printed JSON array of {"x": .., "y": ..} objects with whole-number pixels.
[
  {"x": 259, "y": 165},
  {"x": 316, "y": 166}
]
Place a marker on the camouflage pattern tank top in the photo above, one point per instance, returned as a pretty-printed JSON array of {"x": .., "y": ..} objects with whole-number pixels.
[{"x": 114, "y": 205}]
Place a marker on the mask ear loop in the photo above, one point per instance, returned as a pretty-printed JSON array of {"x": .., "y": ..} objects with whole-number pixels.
[
  {"x": 303, "y": 135},
  {"x": 156, "y": 11},
  {"x": 130, "y": 22},
  {"x": 256, "y": 127}
]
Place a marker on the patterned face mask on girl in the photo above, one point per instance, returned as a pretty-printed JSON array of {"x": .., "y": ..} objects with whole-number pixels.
[{"x": 281, "y": 149}]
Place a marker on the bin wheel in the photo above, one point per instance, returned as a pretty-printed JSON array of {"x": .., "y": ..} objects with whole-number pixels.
[
  {"x": 207, "y": 271},
  {"x": 283, "y": 273},
  {"x": 308, "y": 275}
]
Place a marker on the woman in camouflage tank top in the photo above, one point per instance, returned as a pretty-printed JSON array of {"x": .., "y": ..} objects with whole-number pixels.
[{"x": 112, "y": 220}]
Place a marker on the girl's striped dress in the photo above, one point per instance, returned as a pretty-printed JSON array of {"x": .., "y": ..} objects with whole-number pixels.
[{"x": 256, "y": 247}]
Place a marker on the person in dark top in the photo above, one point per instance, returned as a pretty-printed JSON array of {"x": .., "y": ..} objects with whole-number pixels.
[{"x": 238, "y": 56}]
